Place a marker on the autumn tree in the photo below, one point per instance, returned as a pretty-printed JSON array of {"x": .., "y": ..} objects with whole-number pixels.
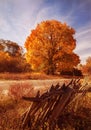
[
  {"x": 68, "y": 62},
  {"x": 87, "y": 67},
  {"x": 10, "y": 47},
  {"x": 3, "y": 61},
  {"x": 50, "y": 47},
  {"x": 12, "y": 58},
  {"x": 1, "y": 47}
]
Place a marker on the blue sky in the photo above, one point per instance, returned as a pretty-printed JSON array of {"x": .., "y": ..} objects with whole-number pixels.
[{"x": 19, "y": 17}]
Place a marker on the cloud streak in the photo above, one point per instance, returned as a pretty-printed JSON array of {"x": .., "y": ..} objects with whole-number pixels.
[
  {"x": 83, "y": 37},
  {"x": 19, "y": 17}
]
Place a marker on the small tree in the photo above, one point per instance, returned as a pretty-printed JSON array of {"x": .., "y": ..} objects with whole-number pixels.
[
  {"x": 17, "y": 90},
  {"x": 87, "y": 67}
]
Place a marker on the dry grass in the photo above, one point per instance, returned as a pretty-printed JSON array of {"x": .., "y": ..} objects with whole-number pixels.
[
  {"x": 33, "y": 76},
  {"x": 12, "y": 105},
  {"x": 10, "y": 114},
  {"x": 11, "y": 110},
  {"x": 19, "y": 76}
]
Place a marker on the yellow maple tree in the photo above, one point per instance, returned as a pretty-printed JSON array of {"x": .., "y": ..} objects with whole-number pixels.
[{"x": 47, "y": 44}]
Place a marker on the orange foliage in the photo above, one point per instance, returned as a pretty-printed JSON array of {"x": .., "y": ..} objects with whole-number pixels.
[
  {"x": 87, "y": 67},
  {"x": 47, "y": 44},
  {"x": 12, "y": 58}
]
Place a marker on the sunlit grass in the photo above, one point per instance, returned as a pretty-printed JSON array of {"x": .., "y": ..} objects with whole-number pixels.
[
  {"x": 11, "y": 109},
  {"x": 22, "y": 76}
]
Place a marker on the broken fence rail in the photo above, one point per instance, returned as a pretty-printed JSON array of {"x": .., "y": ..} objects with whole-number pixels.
[{"x": 48, "y": 107}]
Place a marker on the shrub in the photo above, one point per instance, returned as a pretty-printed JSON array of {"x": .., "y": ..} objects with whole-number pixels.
[
  {"x": 74, "y": 72},
  {"x": 17, "y": 90}
]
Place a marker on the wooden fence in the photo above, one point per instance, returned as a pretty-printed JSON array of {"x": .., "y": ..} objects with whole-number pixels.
[{"x": 48, "y": 107}]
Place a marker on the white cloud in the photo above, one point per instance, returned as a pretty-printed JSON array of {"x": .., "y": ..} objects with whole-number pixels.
[
  {"x": 4, "y": 26},
  {"x": 18, "y": 17},
  {"x": 83, "y": 37}
]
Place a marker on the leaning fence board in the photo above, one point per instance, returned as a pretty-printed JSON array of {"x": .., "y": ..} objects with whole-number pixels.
[{"x": 62, "y": 102}]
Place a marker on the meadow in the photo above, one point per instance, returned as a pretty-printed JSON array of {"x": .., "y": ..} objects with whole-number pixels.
[{"x": 12, "y": 106}]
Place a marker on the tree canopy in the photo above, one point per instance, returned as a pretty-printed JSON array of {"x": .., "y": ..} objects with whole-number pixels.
[
  {"x": 87, "y": 67},
  {"x": 10, "y": 47},
  {"x": 50, "y": 47},
  {"x": 12, "y": 57}
]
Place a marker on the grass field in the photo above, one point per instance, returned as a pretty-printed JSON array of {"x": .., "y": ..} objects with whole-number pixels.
[
  {"x": 12, "y": 107},
  {"x": 22, "y": 76}
]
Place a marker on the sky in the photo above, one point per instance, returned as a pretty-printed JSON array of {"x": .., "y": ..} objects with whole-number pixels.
[{"x": 19, "y": 17}]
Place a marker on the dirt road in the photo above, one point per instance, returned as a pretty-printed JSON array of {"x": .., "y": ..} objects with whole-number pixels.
[{"x": 5, "y": 84}]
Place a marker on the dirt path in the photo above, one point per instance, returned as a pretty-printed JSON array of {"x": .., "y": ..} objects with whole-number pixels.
[{"x": 5, "y": 84}]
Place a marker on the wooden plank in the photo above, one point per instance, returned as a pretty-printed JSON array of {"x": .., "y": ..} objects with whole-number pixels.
[{"x": 62, "y": 103}]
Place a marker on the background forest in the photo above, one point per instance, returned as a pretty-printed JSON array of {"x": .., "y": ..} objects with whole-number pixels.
[{"x": 49, "y": 49}]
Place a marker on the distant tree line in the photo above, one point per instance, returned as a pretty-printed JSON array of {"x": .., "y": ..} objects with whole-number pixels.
[
  {"x": 86, "y": 68},
  {"x": 49, "y": 49},
  {"x": 12, "y": 58}
]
